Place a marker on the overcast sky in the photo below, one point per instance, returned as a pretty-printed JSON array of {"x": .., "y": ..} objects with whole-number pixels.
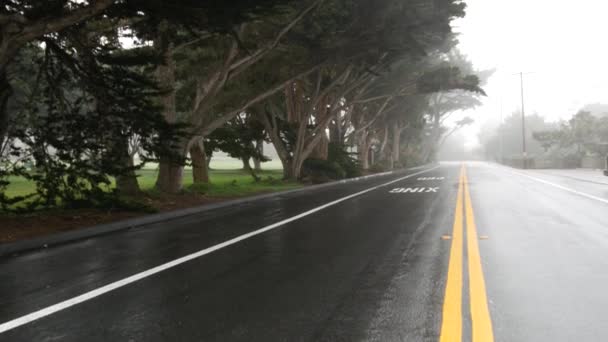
[{"x": 563, "y": 45}]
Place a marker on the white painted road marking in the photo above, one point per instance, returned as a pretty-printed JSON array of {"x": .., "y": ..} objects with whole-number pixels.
[
  {"x": 145, "y": 274},
  {"x": 431, "y": 178},
  {"x": 413, "y": 190},
  {"x": 603, "y": 200}
]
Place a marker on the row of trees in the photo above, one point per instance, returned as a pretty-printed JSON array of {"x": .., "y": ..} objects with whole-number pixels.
[
  {"x": 504, "y": 140},
  {"x": 584, "y": 134},
  {"x": 92, "y": 90}
]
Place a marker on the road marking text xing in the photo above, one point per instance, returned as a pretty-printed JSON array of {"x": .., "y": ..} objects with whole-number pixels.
[{"x": 413, "y": 190}]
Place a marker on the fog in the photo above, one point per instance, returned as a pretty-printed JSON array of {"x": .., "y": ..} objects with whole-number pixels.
[{"x": 560, "y": 46}]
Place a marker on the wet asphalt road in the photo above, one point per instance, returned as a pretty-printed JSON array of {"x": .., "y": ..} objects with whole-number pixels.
[{"x": 369, "y": 268}]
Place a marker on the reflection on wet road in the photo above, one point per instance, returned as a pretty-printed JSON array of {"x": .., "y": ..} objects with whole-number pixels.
[{"x": 444, "y": 253}]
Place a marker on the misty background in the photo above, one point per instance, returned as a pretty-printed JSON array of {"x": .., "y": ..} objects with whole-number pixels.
[{"x": 560, "y": 50}]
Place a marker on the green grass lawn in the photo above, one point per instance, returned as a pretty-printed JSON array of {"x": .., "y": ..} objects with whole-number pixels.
[
  {"x": 19, "y": 186},
  {"x": 228, "y": 183},
  {"x": 224, "y": 183}
]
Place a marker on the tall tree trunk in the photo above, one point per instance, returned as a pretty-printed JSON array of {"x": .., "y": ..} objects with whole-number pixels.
[
  {"x": 384, "y": 142},
  {"x": 126, "y": 184},
  {"x": 272, "y": 129},
  {"x": 296, "y": 168},
  {"x": 437, "y": 127},
  {"x": 363, "y": 152},
  {"x": 247, "y": 167},
  {"x": 385, "y": 152},
  {"x": 171, "y": 171},
  {"x": 6, "y": 91},
  {"x": 305, "y": 146},
  {"x": 257, "y": 164},
  {"x": 435, "y": 136},
  {"x": 287, "y": 170},
  {"x": 321, "y": 151},
  {"x": 259, "y": 145},
  {"x": 335, "y": 134},
  {"x": 396, "y": 146},
  {"x": 170, "y": 176},
  {"x": 246, "y": 164},
  {"x": 200, "y": 171}
]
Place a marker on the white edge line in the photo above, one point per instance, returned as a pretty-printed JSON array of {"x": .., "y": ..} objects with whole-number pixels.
[
  {"x": 603, "y": 200},
  {"x": 12, "y": 324}
]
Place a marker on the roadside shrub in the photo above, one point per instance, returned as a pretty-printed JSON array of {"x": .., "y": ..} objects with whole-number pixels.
[
  {"x": 199, "y": 188},
  {"x": 340, "y": 164},
  {"x": 74, "y": 132},
  {"x": 572, "y": 161},
  {"x": 346, "y": 160},
  {"x": 319, "y": 171},
  {"x": 379, "y": 167}
]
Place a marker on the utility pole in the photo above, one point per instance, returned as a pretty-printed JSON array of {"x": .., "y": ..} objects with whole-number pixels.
[
  {"x": 501, "y": 130},
  {"x": 523, "y": 120}
]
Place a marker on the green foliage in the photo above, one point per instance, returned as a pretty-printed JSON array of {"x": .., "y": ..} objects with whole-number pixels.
[
  {"x": 379, "y": 167},
  {"x": 340, "y": 164},
  {"x": 446, "y": 78},
  {"x": 72, "y": 135},
  {"x": 238, "y": 137},
  {"x": 346, "y": 160},
  {"x": 224, "y": 183},
  {"x": 85, "y": 98},
  {"x": 240, "y": 183},
  {"x": 320, "y": 171},
  {"x": 200, "y": 188},
  {"x": 548, "y": 139},
  {"x": 411, "y": 158},
  {"x": 583, "y": 134},
  {"x": 511, "y": 131}
]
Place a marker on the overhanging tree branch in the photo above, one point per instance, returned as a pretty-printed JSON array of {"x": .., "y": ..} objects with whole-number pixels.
[
  {"x": 219, "y": 122},
  {"x": 239, "y": 66},
  {"x": 48, "y": 25}
]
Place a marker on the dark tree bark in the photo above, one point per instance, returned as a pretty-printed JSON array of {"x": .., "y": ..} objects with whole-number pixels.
[
  {"x": 431, "y": 147},
  {"x": 335, "y": 132},
  {"x": 385, "y": 153},
  {"x": 200, "y": 171},
  {"x": 321, "y": 151},
  {"x": 126, "y": 184},
  {"x": 246, "y": 164},
  {"x": 396, "y": 146},
  {"x": 363, "y": 147},
  {"x": 257, "y": 164},
  {"x": 247, "y": 167},
  {"x": 170, "y": 176},
  {"x": 272, "y": 129},
  {"x": 6, "y": 91},
  {"x": 171, "y": 171},
  {"x": 259, "y": 145}
]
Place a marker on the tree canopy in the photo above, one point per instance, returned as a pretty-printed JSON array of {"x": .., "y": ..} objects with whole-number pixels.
[{"x": 90, "y": 91}]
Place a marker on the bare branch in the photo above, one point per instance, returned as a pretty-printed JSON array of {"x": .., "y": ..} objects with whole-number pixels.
[
  {"x": 206, "y": 129},
  {"x": 48, "y": 25},
  {"x": 245, "y": 62},
  {"x": 193, "y": 41},
  {"x": 376, "y": 116},
  {"x": 13, "y": 18}
]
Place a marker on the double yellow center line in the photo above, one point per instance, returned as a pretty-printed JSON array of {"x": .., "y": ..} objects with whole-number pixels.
[{"x": 481, "y": 323}]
